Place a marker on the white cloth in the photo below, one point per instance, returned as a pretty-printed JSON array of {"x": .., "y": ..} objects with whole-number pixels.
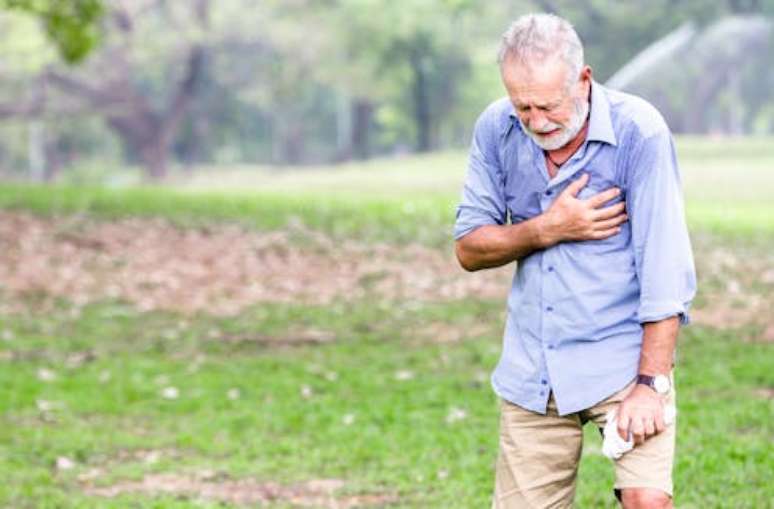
[{"x": 613, "y": 446}]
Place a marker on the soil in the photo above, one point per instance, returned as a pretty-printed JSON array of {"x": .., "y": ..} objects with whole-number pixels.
[{"x": 222, "y": 270}]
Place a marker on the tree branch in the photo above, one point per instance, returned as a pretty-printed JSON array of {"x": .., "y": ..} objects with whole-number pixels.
[
  {"x": 96, "y": 97},
  {"x": 186, "y": 89},
  {"x": 33, "y": 107}
]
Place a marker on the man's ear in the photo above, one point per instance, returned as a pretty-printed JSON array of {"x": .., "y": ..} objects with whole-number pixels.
[
  {"x": 585, "y": 78},
  {"x": 586, "y": 73}
]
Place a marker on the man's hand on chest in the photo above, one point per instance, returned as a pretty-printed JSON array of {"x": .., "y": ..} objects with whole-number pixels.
[{"x": 573, "y": 219}]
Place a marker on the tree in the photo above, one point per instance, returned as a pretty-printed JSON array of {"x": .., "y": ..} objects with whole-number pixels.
[
  {"x": 404, "y": 62},
  {"x": 73, "y": 25},
  {"x": 117, "y": 81}
]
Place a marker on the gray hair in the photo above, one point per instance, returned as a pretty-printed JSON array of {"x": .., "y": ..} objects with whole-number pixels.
[{"x": 535, "y": 37}]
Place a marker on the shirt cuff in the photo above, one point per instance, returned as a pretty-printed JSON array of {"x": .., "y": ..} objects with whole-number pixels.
[
  {"x": 468, "y": 219},
  {"x": 658, "y": 311}
]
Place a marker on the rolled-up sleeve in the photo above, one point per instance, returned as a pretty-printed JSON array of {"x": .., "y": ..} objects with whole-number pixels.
[
  {"x": 662, "y": 247},
  {"x": 483, "y": 199}
]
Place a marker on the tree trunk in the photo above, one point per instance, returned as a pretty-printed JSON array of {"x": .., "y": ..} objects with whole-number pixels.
[
  {"x": 147, "y": 131},
  {"x": 36, "y": 153},
  {"x": 422, "y": 115},
  {"x": 54, "y": 160},
  {"x": 362, "y": 112},
  {"x": 155, "y": 155},
  {"x": 293, "y": 146},
  {"x": 143, "y": 137},
  {"x": 344, "y": 123}
]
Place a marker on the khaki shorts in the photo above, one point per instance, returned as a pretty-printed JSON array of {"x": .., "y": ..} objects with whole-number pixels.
[{"x": 539, "y": 455}]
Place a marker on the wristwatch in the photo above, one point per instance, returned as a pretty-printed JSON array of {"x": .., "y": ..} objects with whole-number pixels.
[{"x": 659, "y": 383}]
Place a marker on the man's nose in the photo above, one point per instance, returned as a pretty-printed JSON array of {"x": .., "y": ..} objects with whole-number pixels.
[{"x": 536, "y": 120}]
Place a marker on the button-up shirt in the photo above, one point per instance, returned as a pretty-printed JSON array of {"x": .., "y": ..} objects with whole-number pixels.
[{"x": 576, "y": 309}]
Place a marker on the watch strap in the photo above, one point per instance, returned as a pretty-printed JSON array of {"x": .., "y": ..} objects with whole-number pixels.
[
  {"x": 646, "y": 380},
  {"x": 659, "y": 383}
]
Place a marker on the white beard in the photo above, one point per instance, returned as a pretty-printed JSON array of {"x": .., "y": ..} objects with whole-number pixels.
[{"x": 567, "y": 133}]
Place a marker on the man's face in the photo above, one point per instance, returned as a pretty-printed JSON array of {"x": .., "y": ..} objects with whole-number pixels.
[{"x": 550, "y": 113}]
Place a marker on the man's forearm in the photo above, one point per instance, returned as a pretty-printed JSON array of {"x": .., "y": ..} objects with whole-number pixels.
[
  {"x": 568, "y": 218},
  {"x": 495, "y": 245},
  {"x": 658, "y": 346}
]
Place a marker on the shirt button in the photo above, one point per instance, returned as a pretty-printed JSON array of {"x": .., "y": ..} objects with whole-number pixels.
[
  {"x": 550, "y": 347},
  {"x": 542, "y": 393},
  {"x": 550, "y": 269},
  {"x": 549, "y": 192},
  {"x": 549, "y": 308},
  {"x": 544, "y": 382}
]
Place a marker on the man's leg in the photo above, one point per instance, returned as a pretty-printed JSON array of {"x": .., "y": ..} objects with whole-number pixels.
[
  {"x": 645, "y": 498},
  {"x": 538, "y": 458},
  {"x": 643, "y": 476}
]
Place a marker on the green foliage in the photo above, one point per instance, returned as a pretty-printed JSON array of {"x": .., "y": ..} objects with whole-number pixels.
[
  {"x": 73, "y": 25},
  {"x": 284, "y": 82}
]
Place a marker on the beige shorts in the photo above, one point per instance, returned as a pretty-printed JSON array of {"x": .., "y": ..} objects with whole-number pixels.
[{"x": 539, "y": 454}]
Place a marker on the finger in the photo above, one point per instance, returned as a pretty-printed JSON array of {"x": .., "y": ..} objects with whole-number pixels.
[
  {"x": 623, "y": 426},
  {"x": 659, "y": 424},
  {"x": 576, "y": 185},
  {"x": 649, "y": 427},
  {"x": 658, "y": 419},
  {"x": 603, "y": 197},
  {"x": 638, "y": 431},
  {"x": 610, "y": 223},
  {"x": 603, "y": 234},
  {"x": 608, "y": 212}
]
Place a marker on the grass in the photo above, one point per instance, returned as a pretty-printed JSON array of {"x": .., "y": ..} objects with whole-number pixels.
[
  {"x": 371, "y": 406},
  {"x": 426, "y": 220},
  {"x": 728, "y": 189},
  {"x": 399, "y": 440}
]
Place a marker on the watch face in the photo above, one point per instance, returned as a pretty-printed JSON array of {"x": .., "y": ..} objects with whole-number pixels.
[{"x": 661, "y": 384}]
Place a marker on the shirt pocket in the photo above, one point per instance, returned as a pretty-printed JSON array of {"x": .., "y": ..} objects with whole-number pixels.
[{"x": 594, "y": 188}]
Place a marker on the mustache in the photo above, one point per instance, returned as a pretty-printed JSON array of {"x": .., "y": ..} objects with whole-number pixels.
[{"x": 546, "y": 128}]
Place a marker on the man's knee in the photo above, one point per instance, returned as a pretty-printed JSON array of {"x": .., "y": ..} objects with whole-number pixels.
[{"x": 645, "y": 498}]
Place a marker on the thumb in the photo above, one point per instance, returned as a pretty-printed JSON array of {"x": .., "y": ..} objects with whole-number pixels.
[{"x": 578, "y": 184}]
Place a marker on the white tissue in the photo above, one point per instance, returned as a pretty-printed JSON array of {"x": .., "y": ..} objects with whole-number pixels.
[{"x": 613, "y": 446}]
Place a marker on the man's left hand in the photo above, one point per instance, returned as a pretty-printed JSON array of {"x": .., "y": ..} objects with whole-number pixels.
[{"x": 641, "y": 413}]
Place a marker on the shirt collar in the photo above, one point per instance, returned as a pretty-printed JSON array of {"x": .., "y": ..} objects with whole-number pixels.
[{"x": 600, "y": 123}]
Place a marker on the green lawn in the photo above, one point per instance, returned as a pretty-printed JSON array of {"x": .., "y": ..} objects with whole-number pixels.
[
  {"x": 370, "y": 407},
  {"x": 377, "y": 402}
]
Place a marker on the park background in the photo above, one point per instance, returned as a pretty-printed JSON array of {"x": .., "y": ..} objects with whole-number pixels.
[{"x": 226, "y": 267}]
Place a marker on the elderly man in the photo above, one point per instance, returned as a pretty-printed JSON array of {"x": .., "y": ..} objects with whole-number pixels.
[{"x": 578, "y": 184}]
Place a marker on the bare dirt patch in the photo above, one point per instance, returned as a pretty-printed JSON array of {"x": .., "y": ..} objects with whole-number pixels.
[
  {"x": 445, "y": 332},
  {"x": 322, "y": 493},
  {"x": 156, "y": 265},
  {"x": 224, "y": 269},
  {"x": 736, "y": 285},
  {"x": 765, "y": 393},
  {"x": 291, "y": 338}
]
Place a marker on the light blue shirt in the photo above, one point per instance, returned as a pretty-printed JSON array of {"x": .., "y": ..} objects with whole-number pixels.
[{"x": 575, "y": 310}]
